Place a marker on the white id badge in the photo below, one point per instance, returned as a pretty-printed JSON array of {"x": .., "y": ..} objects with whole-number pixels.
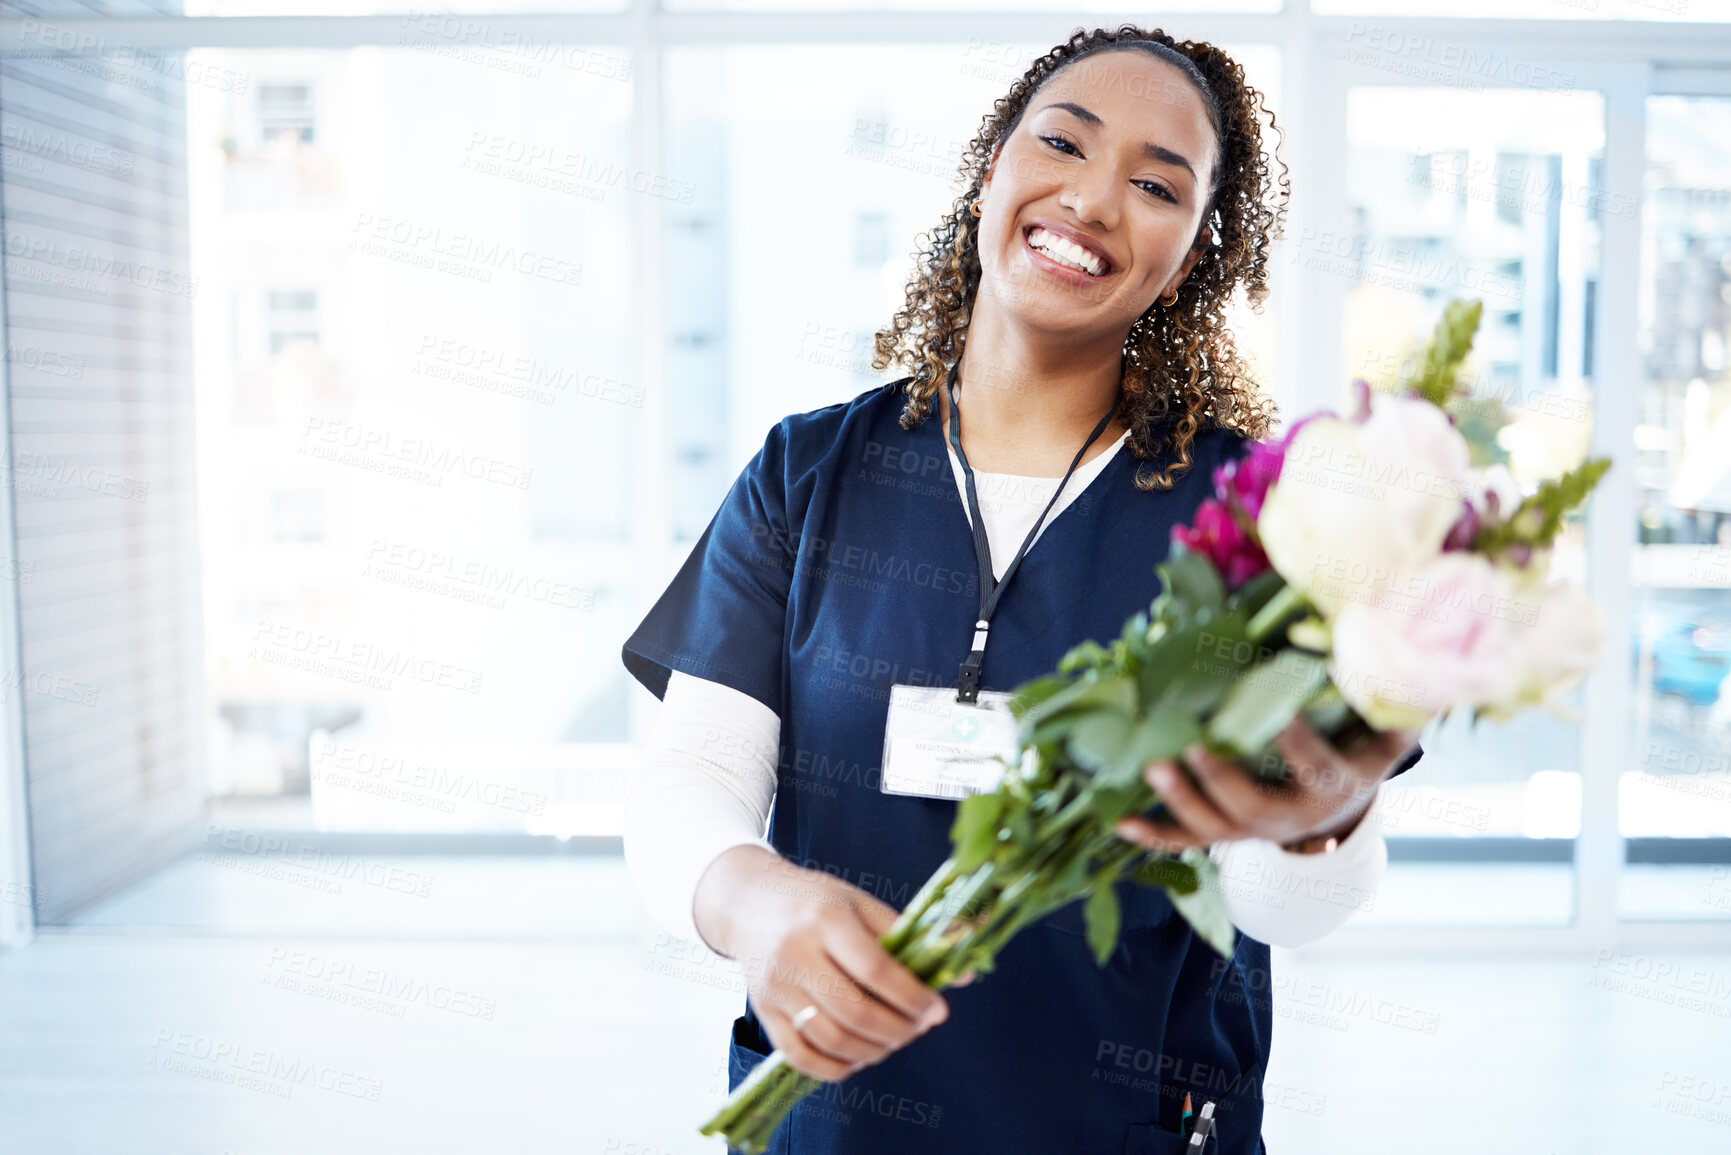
[{"x": 937, "y": 747}]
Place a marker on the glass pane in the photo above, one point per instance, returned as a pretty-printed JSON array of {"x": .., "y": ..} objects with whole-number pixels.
[
  {"x": 841, "y": 180},
  {"x": 416, "y": 414},
  {"x": 1675, "y": 802},
  {"x": 1703, "y": 10},
  {"x": 1490, "y": 196}
]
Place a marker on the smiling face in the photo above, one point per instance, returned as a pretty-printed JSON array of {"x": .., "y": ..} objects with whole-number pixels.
[{"x": 1095, "y": 200}]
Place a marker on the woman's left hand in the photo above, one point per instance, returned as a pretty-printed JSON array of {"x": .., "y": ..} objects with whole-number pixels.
[{"x": 1327, "y": 792}]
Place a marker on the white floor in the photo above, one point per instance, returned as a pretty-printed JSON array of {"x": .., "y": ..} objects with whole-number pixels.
[{"x": 526, "y": 1005}]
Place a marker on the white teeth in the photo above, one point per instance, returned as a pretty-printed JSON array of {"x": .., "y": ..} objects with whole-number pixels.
[{"x": 1065, "y": 251}]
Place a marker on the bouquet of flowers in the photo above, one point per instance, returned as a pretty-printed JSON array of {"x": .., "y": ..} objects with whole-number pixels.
[{"x": 1359, "y": 571}]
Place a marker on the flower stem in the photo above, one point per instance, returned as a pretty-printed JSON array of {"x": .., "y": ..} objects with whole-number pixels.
[{"x": 1280, "y": 607}]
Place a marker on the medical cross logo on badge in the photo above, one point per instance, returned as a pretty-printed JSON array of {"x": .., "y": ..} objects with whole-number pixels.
[{"x": 964, "y": 727}]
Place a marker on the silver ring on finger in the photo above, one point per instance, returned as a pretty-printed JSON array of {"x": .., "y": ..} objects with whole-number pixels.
[{"x": 803, "y": 1017}]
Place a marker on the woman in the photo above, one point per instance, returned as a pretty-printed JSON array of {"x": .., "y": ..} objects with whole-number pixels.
[{"x": 1118, "y": 196}]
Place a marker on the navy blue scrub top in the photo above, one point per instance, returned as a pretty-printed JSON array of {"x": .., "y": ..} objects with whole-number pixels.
[{"x": 841, "y": 562}]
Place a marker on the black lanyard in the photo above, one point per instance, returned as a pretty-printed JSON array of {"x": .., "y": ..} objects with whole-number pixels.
[{"x": 991, "y": 589}]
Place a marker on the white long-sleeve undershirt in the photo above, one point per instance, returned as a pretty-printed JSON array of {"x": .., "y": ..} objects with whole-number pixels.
[{"x": 708, "y": 776}]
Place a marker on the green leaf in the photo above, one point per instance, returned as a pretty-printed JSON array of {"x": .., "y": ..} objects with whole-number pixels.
[
  {"x": 1135, "y": 635},
  {"x": 1072, "y": 879},
  {"x": 1051, "y": 730},
  {"x": 1265, "y": 700},
  {"x": 1083, "y": 655},
  {"x": 1032, "y": 693},
  {"x": 1103, "y": 917},
  {"x": 1205, "y": 907},
  {"x": 1111, "y": 692},
  {"x": 1098, "y": 739},
  {"x": 1254, "y": 594},
  {"x": 1204, "y": 665},
  {"x": 1451, "y": 341},
  {"x": 1092, "y": 691},
  {"x": 974, "y": 833},
  {"x": 1536, "y": 520},
  {"x": 1166, "y": 659},
  {"x": 1109, "y": 803},
  {"x": 1163, "y": 734},
  {"x": 1191, "y": 580},
  {"x": 1174, "y": 875}
]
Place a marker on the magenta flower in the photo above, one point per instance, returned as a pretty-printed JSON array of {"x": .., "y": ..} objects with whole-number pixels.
[
  {"x": 1465, "y": 530},
  {"x": 1224, "y": 528}
]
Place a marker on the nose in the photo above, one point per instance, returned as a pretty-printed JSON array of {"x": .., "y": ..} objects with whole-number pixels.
[{"x": 1094, "y": 196}]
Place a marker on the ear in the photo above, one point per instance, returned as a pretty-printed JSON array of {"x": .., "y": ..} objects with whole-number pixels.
[
  {"x": 1198, "y": 247},
  {"x": 991, "y": 167}
]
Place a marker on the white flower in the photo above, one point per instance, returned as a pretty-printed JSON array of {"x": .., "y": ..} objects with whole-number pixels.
[
  {"x": 1497, "y": 480},
  {"x": 1557, "y": 643},
  {"x": 1446, "y": 639},
  {"x": 1360, "y": 507}
]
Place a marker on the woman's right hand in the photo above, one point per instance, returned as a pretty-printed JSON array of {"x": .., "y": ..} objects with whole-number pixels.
[{"x": 808, "y": 939}]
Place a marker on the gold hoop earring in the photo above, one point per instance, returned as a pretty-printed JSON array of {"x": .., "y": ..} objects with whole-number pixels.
[
  {"x": 1162, "y": 299},
  {"x": 975, "y": 207}
]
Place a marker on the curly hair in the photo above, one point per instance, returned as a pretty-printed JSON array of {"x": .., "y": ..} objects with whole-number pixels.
[{"x": 1182, "y": 371}]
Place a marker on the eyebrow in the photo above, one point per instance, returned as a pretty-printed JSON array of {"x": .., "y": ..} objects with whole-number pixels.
[{"x": 1150, "y": 150}]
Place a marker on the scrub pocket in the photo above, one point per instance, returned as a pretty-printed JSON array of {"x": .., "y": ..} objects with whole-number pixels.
[
  {"x": 1153, "y": 1139},
  {"x": 742, "y": 1057}
]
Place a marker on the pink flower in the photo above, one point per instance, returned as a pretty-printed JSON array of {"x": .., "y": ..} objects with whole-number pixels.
[
  {"x": 1447, "y": 638},
  {"x": 1224, "y": 529},
  {"x": 1358, "y": 506},
  {"x": 1222, "y": 539}
]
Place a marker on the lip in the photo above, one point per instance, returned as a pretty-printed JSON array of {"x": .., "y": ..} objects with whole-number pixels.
[{"x": 1074, "y": 236}]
